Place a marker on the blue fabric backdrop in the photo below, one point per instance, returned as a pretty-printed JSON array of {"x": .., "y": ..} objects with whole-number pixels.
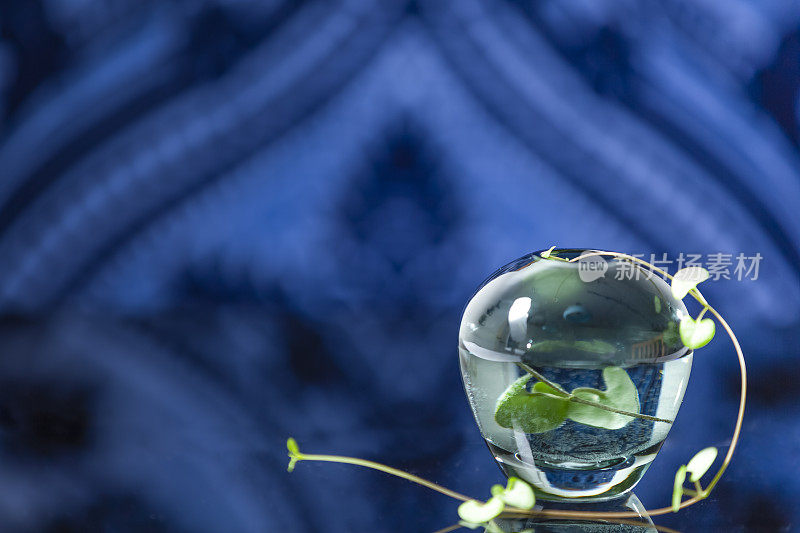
[{"x": 226, "y": 222}]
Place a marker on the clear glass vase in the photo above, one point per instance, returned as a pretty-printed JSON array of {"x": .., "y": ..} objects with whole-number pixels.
[{"x": 574, "y": 371}]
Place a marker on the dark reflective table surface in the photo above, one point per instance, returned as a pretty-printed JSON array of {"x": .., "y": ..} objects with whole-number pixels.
[{"x": 178, "y": 422}]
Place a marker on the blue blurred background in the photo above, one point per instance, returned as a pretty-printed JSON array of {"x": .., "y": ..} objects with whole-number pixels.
[{"x": 224, "y": 222}]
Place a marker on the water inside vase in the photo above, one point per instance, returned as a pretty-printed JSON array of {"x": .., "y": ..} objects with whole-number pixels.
[{"x": 576, "y": 461}]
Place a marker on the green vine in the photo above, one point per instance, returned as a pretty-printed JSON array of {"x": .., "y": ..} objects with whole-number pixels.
[{"x": 547, "y": 403}]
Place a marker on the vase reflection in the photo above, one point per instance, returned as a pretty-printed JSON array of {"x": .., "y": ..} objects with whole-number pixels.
[{"x": 545, "y": 524}]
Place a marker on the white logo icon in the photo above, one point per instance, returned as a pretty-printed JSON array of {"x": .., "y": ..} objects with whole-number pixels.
[{"x": 591, "y": 267}]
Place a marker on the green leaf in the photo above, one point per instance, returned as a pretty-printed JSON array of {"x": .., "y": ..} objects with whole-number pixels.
[
  {"x": 294, "y": 453},
  {"x": 657, "y": 303},
  {"x": 537, "y": 411},
  {"x": 620, "y": 394},
  {"x": 701, "y": 462},
  {"x": 546, "y": 253},
  {"x": 516, "y": 493},
  {"x": 677, "y": 488},
  {"x": 291, "y": 445},
  {"x": 477, "y": 512},
  {"x": 687, "y": 279},
  {"x": 696, "y": 334}
]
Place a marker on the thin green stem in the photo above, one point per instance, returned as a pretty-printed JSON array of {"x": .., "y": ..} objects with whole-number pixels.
[
  {"x": 559, "y": 390},
  {"x": 382, "y": 468},
  {"x": 618, "y": 411},
  {"x": 552, "y": 513},
  {"x": 547, "y": 254},
  {"x": 742, "y": 398},
  {"x": 695, "y": 292}
]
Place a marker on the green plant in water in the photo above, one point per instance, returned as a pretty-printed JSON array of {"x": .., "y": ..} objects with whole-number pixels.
[{"x": 547, "y": 405}]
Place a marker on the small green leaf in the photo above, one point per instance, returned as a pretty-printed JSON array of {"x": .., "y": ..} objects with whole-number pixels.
[
  {"x": 687, "y": 279},
  {"x": 696, "y": 334},
  {"x": 477, "y": 512},
  {"x": 620, "y": 394},
  {"x": 701, "y": 462},
  {"x": 546, "y": 253},
  {"x": 677, "y": 488},
  {"x": 657, "y": 303},
  {"x": 291, "y": 445},
  {"x": 294, "y": 453},
  {"x": 537, "y": 411},
  {"x": 516, "y": 493}
]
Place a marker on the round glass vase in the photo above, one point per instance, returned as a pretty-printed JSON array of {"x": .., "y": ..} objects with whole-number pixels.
[{"x": 574, "y": 371}]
